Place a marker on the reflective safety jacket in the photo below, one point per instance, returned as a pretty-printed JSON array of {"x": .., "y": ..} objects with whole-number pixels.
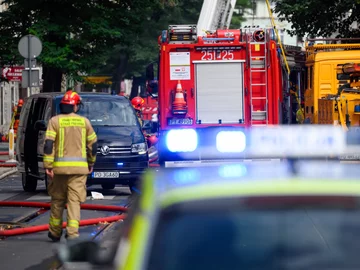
[{"x": 70, "y": 144}]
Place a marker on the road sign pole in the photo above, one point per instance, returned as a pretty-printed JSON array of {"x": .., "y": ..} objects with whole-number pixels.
[
  {"x": 30, "y": 47},
  {"x": 29, "y": 53}
]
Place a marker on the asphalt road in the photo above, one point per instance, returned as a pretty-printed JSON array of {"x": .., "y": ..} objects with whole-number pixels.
[{"x": 36, "y": 251}]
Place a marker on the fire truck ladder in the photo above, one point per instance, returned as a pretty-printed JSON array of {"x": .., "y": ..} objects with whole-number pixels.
[{"x": 258, "y": 65}]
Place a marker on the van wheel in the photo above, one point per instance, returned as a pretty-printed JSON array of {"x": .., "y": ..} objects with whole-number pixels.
[
  {"x": 108, "y": 186},
  {"x": 29, "y": 183}
]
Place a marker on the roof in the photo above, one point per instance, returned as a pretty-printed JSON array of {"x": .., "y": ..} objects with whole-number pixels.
[
  {"x": 336, "y": 55},
  {"x": 171, "y": 186}
]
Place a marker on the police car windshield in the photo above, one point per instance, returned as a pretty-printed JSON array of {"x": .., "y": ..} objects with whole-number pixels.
[
  {"x": 315, "y": 237},
  {"x": 107, "y": 112}
]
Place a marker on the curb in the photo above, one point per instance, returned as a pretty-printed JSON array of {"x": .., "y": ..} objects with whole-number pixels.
[{"x": 8, "y": 173}]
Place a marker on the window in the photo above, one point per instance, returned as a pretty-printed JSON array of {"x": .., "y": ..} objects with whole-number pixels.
[
  {"x": 303, "y": 236},
  {"x": 48, "y": 111},
  {"x": 341, "y": 76},
  {"x": 25, "y": 114},
  {"x": 37, "y": 111},
  {"x": 107, "y": 112},
  {"x": 311, "y": 77}
]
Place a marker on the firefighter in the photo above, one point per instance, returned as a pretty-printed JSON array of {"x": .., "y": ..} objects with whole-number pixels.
[
  {"x": 137, "y": 103},
  {"x": 69, "y": 156}
]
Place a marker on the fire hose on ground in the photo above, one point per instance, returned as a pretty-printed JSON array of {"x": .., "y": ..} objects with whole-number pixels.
[{"x": 45, "y": 227}]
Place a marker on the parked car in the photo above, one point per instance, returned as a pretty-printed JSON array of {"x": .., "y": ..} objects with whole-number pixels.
[
  {"x": 122, "y": 149},
  {"x": 235, "y": 216}
]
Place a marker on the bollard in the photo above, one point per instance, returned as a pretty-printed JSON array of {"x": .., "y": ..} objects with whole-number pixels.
[{"x": 11, "y": 146}]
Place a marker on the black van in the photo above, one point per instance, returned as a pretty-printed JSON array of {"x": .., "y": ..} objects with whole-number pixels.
[{"x": 122, "y": 149}]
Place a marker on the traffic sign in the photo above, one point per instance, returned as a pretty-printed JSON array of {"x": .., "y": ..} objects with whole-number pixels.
[
  {"x": 30, "y": 46},
  {"x": 34, "y": 79},
  {"x": 13, "y": 74}
]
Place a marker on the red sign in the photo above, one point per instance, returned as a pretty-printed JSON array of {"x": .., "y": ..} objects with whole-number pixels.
[{"x": 13, "y": 74}]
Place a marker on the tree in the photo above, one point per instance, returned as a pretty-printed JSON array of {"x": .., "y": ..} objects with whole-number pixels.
[
  {"x": 131, "y": 60},
  {"x": 320, "y": 17},
  {"x": 241, "y": 7},
  {"x": 77, "y": 35}
]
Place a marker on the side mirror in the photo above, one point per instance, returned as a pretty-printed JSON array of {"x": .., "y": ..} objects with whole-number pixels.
[{"x": 40, "y": 125}]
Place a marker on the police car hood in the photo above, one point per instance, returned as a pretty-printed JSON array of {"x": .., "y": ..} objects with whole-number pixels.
[{"x": 119, "y": 135}]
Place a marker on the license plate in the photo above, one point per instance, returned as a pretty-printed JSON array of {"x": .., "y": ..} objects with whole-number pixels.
[
  {"x": 181, "y": 121},
  {"x": 106, "y": 174}
]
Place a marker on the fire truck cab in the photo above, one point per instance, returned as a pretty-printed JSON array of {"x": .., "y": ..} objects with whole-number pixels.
[{"x": 225, "y": 80}]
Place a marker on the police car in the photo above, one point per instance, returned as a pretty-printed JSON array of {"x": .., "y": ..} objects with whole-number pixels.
[{"x": 282, "y": 215}]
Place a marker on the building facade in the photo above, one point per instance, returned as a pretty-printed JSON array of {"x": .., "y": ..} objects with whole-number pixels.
[{"x": 258, "y": 15}]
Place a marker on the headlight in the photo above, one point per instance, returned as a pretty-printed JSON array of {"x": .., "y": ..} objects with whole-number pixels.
[
  {"x": 182, "y": 140},
  {"x": 231, "y": 141},
  {"x": 139, "y": 148}
]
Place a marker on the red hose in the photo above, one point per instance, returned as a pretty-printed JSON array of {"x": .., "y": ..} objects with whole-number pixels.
[
  {"x": 3, "y": 153},
  {"x": 98, "y": 207},
  {"x": 153, "y": 159},
  {"x": 45, "y": 227},
  {"x": 7, "y": 165},
  {"x": 154, "y": 165}
]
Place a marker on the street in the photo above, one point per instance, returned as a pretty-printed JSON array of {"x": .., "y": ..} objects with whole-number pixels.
[{"x": 36, "y": 251}]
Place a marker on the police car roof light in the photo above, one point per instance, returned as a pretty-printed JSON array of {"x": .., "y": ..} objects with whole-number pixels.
[{"x": 306, "y": 141}]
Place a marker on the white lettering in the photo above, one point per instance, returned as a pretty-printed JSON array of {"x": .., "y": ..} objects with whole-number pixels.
[{"x": 208, "y": 55}]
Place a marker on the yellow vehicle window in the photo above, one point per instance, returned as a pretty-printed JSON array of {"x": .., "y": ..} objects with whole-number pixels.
[{"x": 313, "y": 234}]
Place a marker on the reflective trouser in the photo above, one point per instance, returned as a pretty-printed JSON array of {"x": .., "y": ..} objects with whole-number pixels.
[{"x": 70, "y": 189}]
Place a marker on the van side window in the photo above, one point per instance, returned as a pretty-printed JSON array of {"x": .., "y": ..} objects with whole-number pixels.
[
  {"x": 25, "y": 113},
  {"x": 48, "y": 111},
  {"x": 38, "y": 110}
]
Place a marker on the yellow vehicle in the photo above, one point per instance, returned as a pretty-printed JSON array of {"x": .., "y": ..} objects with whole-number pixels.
[
  {"x": 322, "y": 61},
  {"x": 343, "y": 108},
  {"x": 241, "y": 215}
]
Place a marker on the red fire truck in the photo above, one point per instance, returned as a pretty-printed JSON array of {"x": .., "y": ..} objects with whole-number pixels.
[{"x": 227, "y": 79}]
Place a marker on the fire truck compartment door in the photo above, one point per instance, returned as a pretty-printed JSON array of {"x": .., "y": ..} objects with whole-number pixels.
[{"x": 220, "y": 92}]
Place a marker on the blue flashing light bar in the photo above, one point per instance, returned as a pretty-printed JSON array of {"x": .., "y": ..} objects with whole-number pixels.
[
  {"x": 182, "y": 140},
  {"x": 274, "y": 141}
]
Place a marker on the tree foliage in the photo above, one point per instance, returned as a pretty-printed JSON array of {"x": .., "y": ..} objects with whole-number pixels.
[
  {"x": 144, "y": 46},
  {"x": 115, "y": 37},
  {"x": 241, "y": 6},
  {"x": 77, "y": 35},
  {"x": 320, "y": 17}
]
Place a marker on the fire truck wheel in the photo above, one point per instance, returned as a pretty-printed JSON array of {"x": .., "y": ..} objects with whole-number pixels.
[
  {"x": 108, "y": 186},
  {"x": 29, "y": 183}
]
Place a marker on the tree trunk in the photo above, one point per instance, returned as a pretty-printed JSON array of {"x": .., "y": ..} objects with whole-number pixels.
[
  {"x": 52, "y": 79},
  {"x": 120, "y": 71},
  {"x": 137, "y": 81}
]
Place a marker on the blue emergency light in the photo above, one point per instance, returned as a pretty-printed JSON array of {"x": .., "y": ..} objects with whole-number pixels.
[{"x": 275, "y": 141}]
